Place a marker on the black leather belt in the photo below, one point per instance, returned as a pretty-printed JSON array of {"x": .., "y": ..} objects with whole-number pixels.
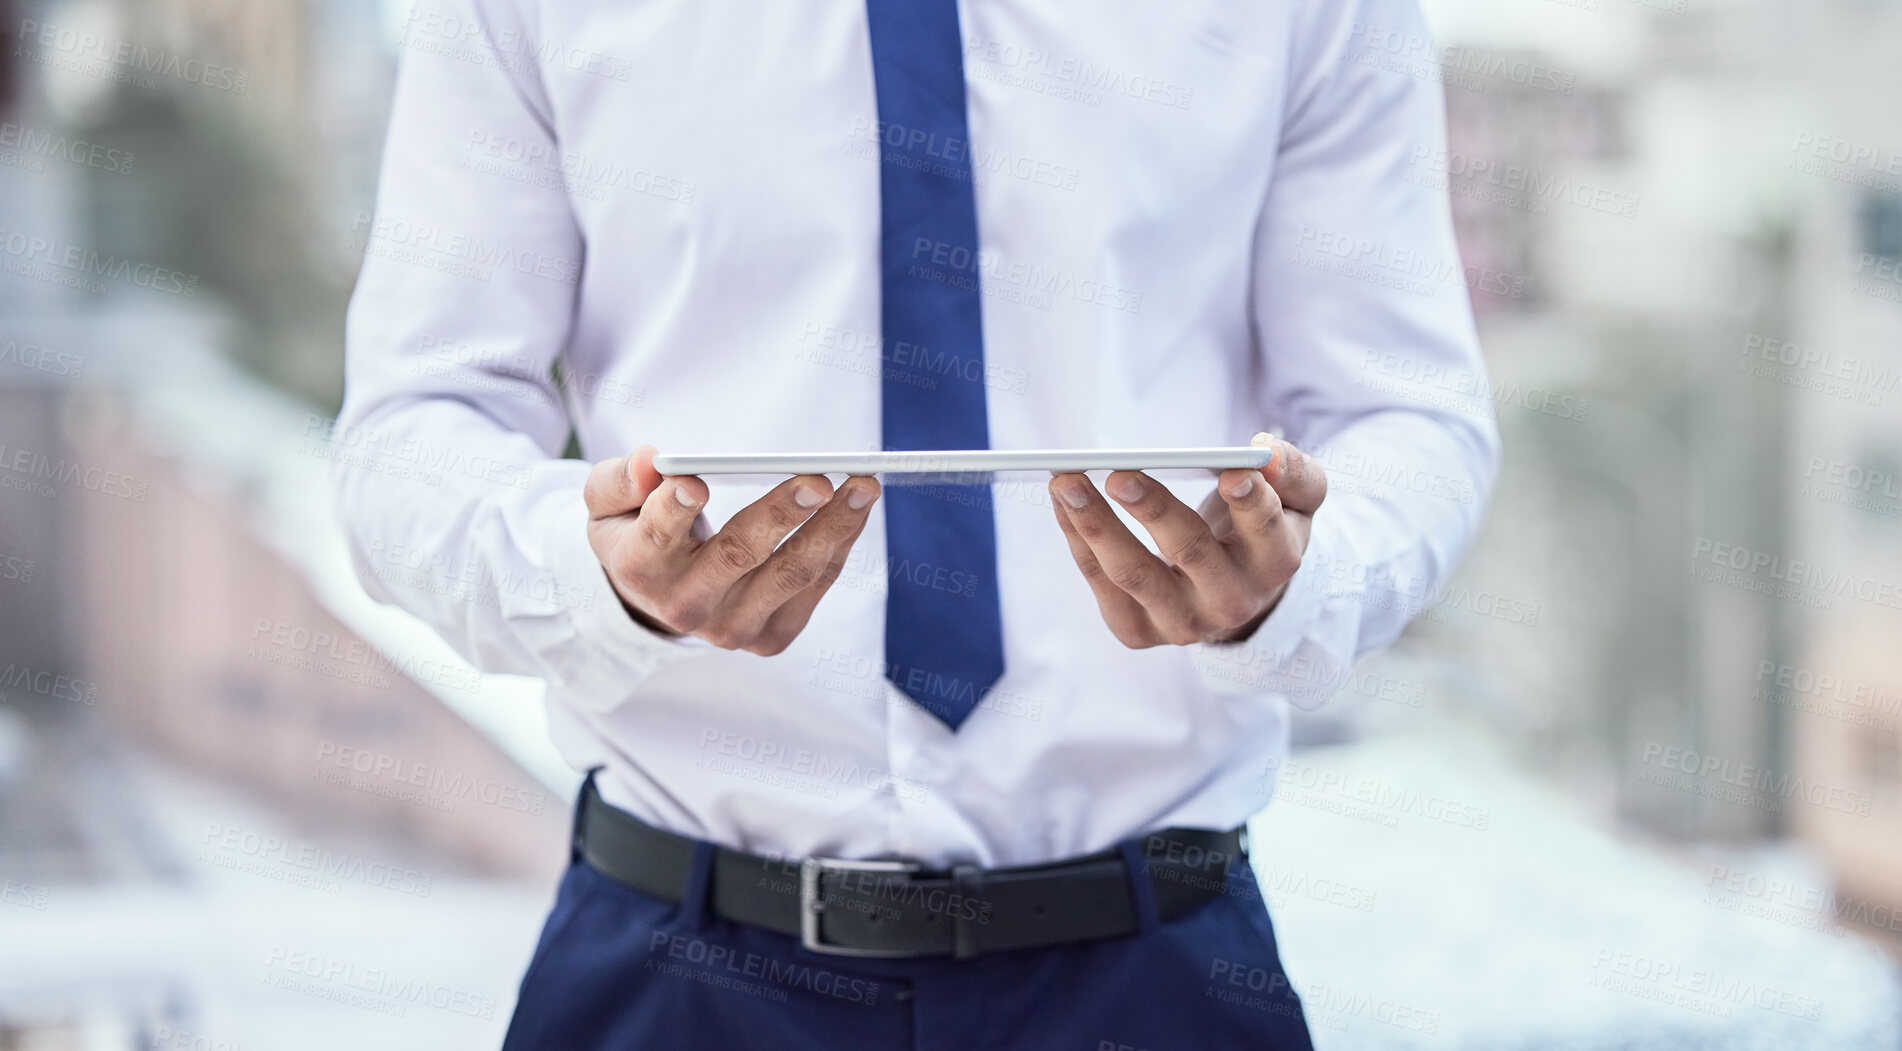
[{"x": 902, "y": 909}]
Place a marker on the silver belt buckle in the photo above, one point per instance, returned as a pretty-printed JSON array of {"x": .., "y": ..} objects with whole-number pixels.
[{"x": 811, "y": 902}]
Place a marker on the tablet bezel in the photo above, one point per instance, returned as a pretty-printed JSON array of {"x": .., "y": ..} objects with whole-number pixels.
[{"x": 964, "y": 461}]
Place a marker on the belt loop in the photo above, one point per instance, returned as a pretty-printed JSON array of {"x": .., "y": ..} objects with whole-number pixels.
[
  {"x": 581, "y": 808},
  {"x": 693, "y": 912},
  {"x": 967, "y": 888},
  {"x": 1142, "y": 891}
]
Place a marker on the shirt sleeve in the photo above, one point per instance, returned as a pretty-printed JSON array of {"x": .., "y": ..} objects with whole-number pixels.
[
  {"x": 446, "y": 457},
  {"x": 1369, "y": 357}
]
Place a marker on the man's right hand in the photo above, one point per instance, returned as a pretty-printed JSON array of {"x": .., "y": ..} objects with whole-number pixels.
[{"x": 741, "y": 589}]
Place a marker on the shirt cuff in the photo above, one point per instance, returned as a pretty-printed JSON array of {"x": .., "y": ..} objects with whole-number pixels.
[
  {"x": 1283, "y": 656},
  {"x": 610, "y": 653}
]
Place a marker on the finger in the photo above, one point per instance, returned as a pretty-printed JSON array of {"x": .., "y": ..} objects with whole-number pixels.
[
  {"x": 1262, "y": 536},
  {"x": 1253, "y": 506},
  {"x": 1126, "y": 562},
  {"x": 1126, "y": 618},
  {"x": 665, "y": 524},
  {"x": 1183, "y": 537},
  {"x": 1225, "y": 594},
  {"x": 619, "y": 486},
  {"x": 751, "y": 535},
  {"x": 648, "y": 552},
  {"x": 800, "y": 564},
  {"x": 790, "y": 619},
  {"x": 1298, "y": 478},
  {"x": 638, "y": 522}
]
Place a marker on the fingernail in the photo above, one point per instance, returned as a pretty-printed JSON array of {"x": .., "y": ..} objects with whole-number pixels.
[
  {"x": 686, "y": 498},
  {"x": 1128, "y": 490},
  {"x": 1262, "y": 439},
  {"x": 1243, "y": 488},
  {"x": 1072, "y": 493},
  {"x": 807, "y": 496},
  {"x": 859, "y": 497}
]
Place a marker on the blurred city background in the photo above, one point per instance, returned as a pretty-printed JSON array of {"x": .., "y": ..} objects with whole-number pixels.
[{"x": 1633, "y": 779}]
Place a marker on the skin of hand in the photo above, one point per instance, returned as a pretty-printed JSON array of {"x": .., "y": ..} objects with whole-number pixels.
[
  {"x": 1222, "y": 569},
  {"x": 751, "y": 586}
]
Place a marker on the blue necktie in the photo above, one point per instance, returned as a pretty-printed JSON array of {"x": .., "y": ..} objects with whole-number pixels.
[{"x": 944, "y": 637}]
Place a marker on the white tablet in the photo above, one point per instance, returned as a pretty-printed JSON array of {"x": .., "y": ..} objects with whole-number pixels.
[{"x": 962, "y": 465}]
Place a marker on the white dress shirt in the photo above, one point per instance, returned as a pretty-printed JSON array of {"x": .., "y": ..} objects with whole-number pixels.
[{"x": 1196, "y": 222}]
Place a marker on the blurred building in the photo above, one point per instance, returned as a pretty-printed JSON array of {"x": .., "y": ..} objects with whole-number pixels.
[
  {"x": 168, "y": 571},
  {"x": 1842, "y": 354},
  {"x": 1699, "y": 392}
]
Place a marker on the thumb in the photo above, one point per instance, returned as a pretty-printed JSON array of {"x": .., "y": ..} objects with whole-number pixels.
[{"x": 621, "y": 485}]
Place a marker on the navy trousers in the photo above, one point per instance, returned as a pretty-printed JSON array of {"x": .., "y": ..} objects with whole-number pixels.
[{"x": 617, "y": 970}]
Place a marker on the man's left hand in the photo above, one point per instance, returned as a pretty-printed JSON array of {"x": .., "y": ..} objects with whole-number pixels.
[{"x": 1222, "y": 568}]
